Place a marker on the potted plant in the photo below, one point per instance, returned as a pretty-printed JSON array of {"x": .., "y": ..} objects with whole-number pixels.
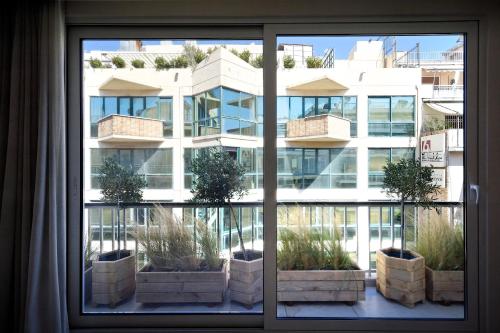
[
  {"x": 314, "y": 62},
  {"x": 177, "y": 271},
  {"x": 400, "y": 272},
  {"x": 442, "y": 246},
  {"x": 137, "y": 63},
  {"x": 118, "y": 62},
  {"x": 113, "y": 273},
  {"x": 218, "y": 179},
  {"x": 288, "y": 62},
  {"x": 313, "y": 267}
]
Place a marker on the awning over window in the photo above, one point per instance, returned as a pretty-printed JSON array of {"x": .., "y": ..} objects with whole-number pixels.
[
  {"x": 117, "y": 83},
  {"x": 324, "y": 82},
  {"x": 445, "y": 108}
]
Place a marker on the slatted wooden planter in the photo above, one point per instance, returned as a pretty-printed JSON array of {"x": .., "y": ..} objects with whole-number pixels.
[
  {"x": 180, "y": 287},
  {"x": 401, "y": 279},
  {"x": 444, "y": 286},
  {"x": 113, "y": 280},
  {"x": 246, "y": 278},
  {"x": 321, "y": 286}
]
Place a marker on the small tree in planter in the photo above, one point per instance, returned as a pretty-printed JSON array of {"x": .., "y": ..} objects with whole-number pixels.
[
  {"x": 288, "y": 62},
  {"x": 137, "y": 63},
  {"x": 218, "y": 179},
  {"x": 442, "y": 246},
  {"x": 113, "y": 274},
  {"x": 118, "y": 62},
  {"x": 406, "y": 180},
  {"x": 313, "y": 62}
]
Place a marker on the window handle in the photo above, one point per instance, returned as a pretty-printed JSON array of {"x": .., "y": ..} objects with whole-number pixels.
[{"x": 475, "y": 188}]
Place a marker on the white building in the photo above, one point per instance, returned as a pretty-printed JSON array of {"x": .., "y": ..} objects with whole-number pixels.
[{"x": 336, "y": 129}]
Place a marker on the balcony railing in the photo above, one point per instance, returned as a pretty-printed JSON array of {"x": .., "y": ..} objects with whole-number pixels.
[
  {"x": 361, "y": 236},
  {"x": 119, "y": 128},
  {"x": 323, "y": 127},
  {"x": 416, "y": 58},
  {"x": 448, "y": 92}
]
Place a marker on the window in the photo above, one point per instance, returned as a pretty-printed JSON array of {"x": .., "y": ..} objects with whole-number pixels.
[
  {"x": 296, "y": 107},
  {"x": 317, "y": 168},
  {"x": 391, "y": 116},
  {"x": 317, "y": 187},
  {"x": 153, "y": 107},
  {"x": 377, "y": 159}
]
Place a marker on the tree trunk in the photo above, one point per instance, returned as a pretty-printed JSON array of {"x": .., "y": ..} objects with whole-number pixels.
[
  {"x": 240, "y": 233},
  {"x": 402, "y": 228},
  {"x": 118, "y": 220}
]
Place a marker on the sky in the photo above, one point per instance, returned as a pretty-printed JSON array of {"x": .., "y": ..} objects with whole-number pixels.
[{"x": 341, "y": 44}]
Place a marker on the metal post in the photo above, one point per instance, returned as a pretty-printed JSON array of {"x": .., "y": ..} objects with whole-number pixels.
[
  {"x": 113, "y": 230},
  {"x": 101, "y": 231},
  {"x": 124, "y": 229}
]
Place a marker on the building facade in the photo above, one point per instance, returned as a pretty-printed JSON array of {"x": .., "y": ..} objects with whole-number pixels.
[{"x": 336, "y": 127}]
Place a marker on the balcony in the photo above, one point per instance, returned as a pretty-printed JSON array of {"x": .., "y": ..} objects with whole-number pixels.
[
  {"x": 322, "y": 128},
  {"x": 360, "y": 238},
  {"x": 455, "y": 92},
  {"x": 118, "y": 128},
  {"x": 436, "y": 59}
]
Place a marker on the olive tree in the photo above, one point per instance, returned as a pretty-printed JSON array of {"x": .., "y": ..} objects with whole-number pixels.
[
  {"x": 407, "y": 180},
  {"x": 218, "y": 179},
  {"x": 119, "y": 185}
]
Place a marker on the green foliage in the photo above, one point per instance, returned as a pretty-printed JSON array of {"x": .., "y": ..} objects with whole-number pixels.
[
  {"x": 433, "y": 125},
  {"x": 407, "y": 180},
  {"x": 210, "y": 50},
  {"x": 119, "y": 184},
  {"x": 441, "y": 244},
  {"x": 288, "y": 62},
  {"x": 218, "y": 178},
  {"x": 161, "y": 64},
  {"x": 89, "y": 251},
  {"x": 258, "y": 61},
  {"x": 180, "y": 62},
  {"x": 137, "y": 63},
  {"x": 244, "y": 55},
  {"x": 313, "y": 62},
  {"x": 194, "y": 55},
  {"x": 170, "y": 246},
  {"x": 95, "y": 63},
  {"x": 118, "y": 62},
  {"x": 309, "y": 249},
  {"x": 235, "y": 52}
]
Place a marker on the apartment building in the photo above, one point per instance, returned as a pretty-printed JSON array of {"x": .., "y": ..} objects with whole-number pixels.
[{"x": 337, "y": 125}]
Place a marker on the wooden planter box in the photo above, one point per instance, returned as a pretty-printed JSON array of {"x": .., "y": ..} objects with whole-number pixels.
[
  {"x": 321, "y": 286},
  {"x": 87, "y": 285},
  {"x": 113, "y": 280},
  {"x": 402, "y": 280},
  {"x": 444, "y": 286},
  {"x": 246, "y": 280},
  {"x": 180, "y": 287}
]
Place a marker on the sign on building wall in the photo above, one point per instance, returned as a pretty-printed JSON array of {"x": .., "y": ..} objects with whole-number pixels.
[
  {"x": 433, "y": 150},
  {"x": 439, "y": 177}
]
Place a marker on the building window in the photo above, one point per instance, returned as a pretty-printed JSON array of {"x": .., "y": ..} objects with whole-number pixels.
[
  {"x": 391, "y": 115},
  {"x": 296, "y": 107},
  {"x": 188, "y": 115},
  {"x": 250, "y": 158},
  {"x": 377, "y": 159},
  {"x": 303, "y": 168},
  {"x": 151, "y": 107},
  {"x": 154, "y": 164}
]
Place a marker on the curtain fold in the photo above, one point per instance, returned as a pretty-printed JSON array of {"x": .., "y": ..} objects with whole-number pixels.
[{"x": 33, "y": 169}]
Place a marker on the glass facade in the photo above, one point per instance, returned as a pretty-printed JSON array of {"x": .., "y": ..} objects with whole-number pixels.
[
  {"x": 250, "y": 158},
  {"x": 391, "y": 115},
  {"x": 153, "y": 107},
  {"x": 377, "y": 159},
  {"x": 224, "y": 110},
  {"x": 303, "y": 168},
  {"x": 154, "y": 164},
  {"x": 296, "y": 107}
]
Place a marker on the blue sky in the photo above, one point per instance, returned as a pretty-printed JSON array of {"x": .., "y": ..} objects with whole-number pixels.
[{"x": 341, "y": 44}]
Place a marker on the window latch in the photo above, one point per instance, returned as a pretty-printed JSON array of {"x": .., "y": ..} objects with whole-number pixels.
[{"x": 475, "y": 188}]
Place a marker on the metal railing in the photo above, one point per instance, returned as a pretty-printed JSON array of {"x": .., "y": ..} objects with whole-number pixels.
[
  {"x": 417, "y": 58},
  {"x": 358, "y": 235},
  {"x": 448, "y": 92}
]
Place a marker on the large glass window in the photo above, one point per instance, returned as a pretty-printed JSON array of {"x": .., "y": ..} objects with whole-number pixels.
[
  {"x": 377, "y": 159},
  {"x": 296, "y": 107},
  {"x": 151, "y": 107},
  {"x": 317, "y": 168},
  {"x": 391, "y": 116}
]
